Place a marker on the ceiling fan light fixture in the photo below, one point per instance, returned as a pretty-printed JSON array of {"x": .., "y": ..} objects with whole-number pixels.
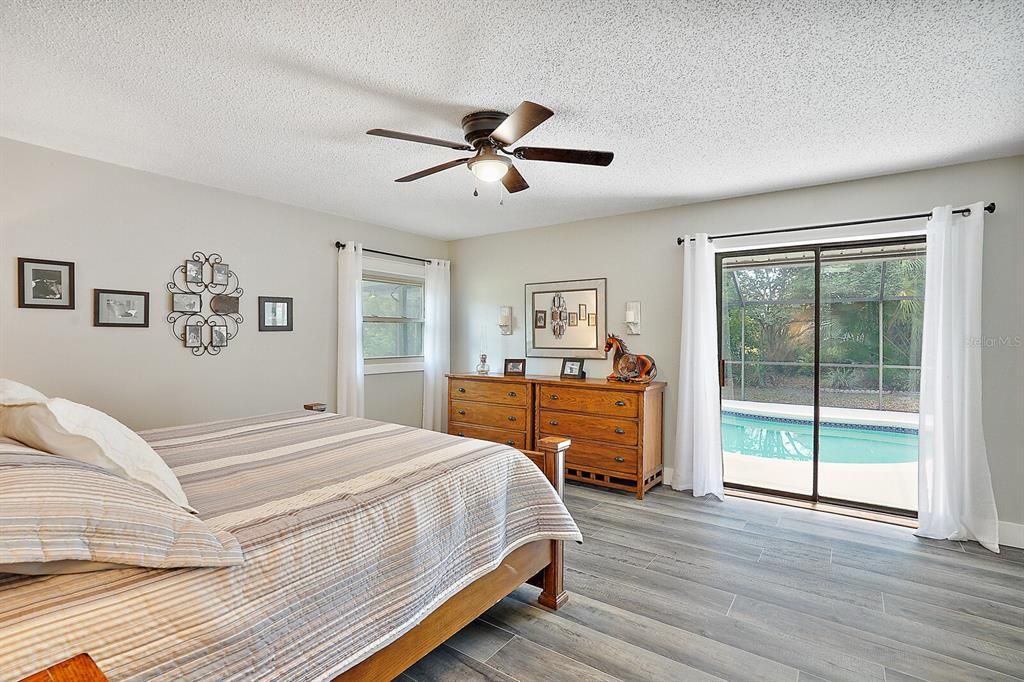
[{"x": 489, "y": 167}]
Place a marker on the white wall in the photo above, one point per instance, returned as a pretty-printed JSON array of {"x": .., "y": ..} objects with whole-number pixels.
[
  {"x": 126, "y": 229},
  {"x": 639, "y": 256}
]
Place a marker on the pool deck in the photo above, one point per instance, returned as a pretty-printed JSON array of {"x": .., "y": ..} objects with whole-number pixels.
[
  {"x": 840, "y": 415},
  {"x": 890, "y": 485}
]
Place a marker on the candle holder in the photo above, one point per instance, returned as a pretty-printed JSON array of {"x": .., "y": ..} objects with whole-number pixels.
[
  {"x": 632, "y": 317},
  {"x": 505, "y": 320}
]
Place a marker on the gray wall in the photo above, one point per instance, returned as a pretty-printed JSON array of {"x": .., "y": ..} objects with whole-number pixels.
[
  {"x": 126, "y": 229},
  {"x": 639, "y": 256}
]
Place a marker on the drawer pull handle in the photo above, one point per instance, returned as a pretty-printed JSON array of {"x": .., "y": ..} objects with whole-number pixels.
[
  {"x": 461, "y": 389},
  {"x": 511, "y": 418},
  {"x": 553, "y": 422},
  {"x": 554, "y": 396},
  {"x": 620, "y": 403},
  {"x": 460, "y": 433},
  {"x": 620, "y": 459},
  {"x": 511, "y": 394},
  {"x": 619, "y": 429},
  {"x": 510, "y": 442},
  {"x": 462, "y": 412}
]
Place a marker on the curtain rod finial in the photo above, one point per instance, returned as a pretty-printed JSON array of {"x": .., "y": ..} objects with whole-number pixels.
[
  {"x": 679, "y": 241},
  {"x": 339, "y": 245},
  {"x": 990, "y": 207}
]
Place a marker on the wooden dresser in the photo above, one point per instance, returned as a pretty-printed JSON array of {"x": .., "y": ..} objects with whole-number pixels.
[{"x": 616, "y": 429}]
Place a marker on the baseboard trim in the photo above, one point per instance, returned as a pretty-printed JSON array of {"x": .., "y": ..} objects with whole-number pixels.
[{"x": 1011, "y": 534}]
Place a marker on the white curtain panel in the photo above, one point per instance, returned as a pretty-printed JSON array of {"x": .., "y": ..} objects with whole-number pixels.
[
  {"x": 350, "y": 330},
  {"x": 698, "y": 449},
  {"x": 436, "y": 344},
  {"x": 955, "y": 498}
]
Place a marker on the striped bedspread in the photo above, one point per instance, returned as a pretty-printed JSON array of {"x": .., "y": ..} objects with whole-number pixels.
[{"x": 352, "y": 530}]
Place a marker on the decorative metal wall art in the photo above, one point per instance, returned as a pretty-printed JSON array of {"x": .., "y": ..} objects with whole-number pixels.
[{"x": 204, "y": 281}]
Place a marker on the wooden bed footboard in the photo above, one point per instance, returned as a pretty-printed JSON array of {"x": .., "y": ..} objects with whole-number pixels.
[{"x": 539, "y": 563}]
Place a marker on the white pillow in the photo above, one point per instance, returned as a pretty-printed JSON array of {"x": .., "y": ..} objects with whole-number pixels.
[
  {"x": 80, "y": 433},
  {"x": 13, "y": 393}
]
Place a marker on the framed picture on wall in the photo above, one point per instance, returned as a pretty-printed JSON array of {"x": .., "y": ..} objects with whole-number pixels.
[
  {"x": 193, "y": 336},
  {"x": 218, "y": 335},
  {"x": 186, "y": 303},
  {"x": 275, "y": 314},
  {"x": 562, "y": 305},
  {"x": 46, "y": 284},
  {"x": 194, "y": 271},
  {"x": 117, "y": 308}
]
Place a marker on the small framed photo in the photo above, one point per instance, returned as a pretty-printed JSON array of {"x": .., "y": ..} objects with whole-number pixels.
[
  {"x": 574, "y": 320},
  {"x": 540, "y": 319},
  {"x": 583, "y": 311},
  {"x": 186, "y": 303},
  {"x": 46, "y": 284},
  {"x": 218, "y": 335},
  {"x": 572, "y": 368},
  {"x": 592, "y": 320},
  {"x": 193, "y": 336},
  {"x": 275, "y": 314},
  {"x": 221, "y": 273},
  {"x": 194, "y": 271},
  {"x": 515, "y": 367},
  {"x": 116, "y": 308}
]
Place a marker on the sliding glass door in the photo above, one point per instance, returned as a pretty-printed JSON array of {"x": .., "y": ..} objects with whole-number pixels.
[{"x": 820, "y": 351}]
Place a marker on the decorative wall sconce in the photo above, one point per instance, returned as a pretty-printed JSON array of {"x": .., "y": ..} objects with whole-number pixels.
[
  {"x": 633, "y": 317},
  {"x": 505, "y": 320}
]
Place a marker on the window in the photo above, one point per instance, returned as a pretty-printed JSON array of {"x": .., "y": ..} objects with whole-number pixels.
[{"x": 392, "y": 317}]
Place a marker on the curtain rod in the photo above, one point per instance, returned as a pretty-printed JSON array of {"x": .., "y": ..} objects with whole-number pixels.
[
  {"x": 340, "y": 245},
  {"x": 990, "y": 208}
]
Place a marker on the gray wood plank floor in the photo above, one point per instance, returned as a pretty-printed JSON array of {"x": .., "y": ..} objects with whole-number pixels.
[{"x": 677, "y": 588}]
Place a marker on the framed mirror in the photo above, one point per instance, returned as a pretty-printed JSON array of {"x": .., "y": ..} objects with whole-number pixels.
[{"x": 566, "y": 319}]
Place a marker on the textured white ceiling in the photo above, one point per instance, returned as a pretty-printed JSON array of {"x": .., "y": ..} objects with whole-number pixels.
[{"x": 698, "y": 100}]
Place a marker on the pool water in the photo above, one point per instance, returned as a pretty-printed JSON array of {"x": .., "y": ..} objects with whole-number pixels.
[{"x": 793, "y": 439}]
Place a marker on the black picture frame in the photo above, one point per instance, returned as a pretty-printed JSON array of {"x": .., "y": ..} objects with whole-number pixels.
[
  {"x": 192, "y": 336},
  {"x": 264, "y": 327},
  {"x": 177, "y": 300},
  {"x": 24, "y": 299},
  {"x": 540, "y": 319},
  {"x": 574, "y": 320},
  {"x": 218, "y": 335},
  {"x": 97, "y": 295},
  {"x": 194, "y": 271},
  {"x": 572, "y": 368},
  {"x": 510, "y": 367}
]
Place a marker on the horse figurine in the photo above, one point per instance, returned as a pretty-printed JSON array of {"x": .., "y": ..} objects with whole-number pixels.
[{"x": 629, "y": 367}]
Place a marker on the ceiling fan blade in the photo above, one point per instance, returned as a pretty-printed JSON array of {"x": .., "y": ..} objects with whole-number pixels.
[
  {"x": 431, "y": 171},
  {"x": 525, "y": 118},
  {"x": 584, "y": 156},
  {"x": 513, "y": 181},
  {"x": 409, "y": 137}
]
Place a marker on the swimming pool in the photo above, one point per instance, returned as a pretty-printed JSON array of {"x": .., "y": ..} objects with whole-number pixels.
[{"x": 793, "y": 439}]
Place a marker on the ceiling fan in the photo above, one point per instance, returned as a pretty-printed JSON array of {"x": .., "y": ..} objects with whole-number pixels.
[{"x": 488, "y": 134}]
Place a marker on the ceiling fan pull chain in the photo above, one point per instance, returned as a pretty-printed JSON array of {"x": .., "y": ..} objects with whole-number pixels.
[
  {"x": 475, "y": 192},
  {"x": 501, "y": 195}
]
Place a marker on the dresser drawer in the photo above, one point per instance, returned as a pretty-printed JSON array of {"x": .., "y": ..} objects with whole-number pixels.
[
  {"x": 484, "y": 414},
  {"x": 516, "y": 440},
  {"x": 599, "y": 456},
  {"x": 608, "y": 429},
  {"x": 590, "y": 401},
  {"x": 505, "y": 393}
]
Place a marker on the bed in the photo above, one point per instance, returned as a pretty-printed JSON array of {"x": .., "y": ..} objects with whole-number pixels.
[{"x": 366, "y": 544}]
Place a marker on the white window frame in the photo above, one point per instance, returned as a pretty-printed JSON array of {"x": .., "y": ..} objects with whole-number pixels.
[{"x": 383, "y": 267}]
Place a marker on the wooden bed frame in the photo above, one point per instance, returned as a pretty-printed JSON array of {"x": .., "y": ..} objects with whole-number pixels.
[{"x": 538, "y": 563}]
